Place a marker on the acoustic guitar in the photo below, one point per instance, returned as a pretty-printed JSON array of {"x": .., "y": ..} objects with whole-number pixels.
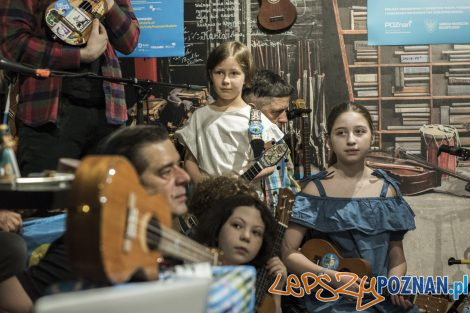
[
  {"x": 71, "y": 20},
  {"x": 325, "y": 254},
  {"x": 276, "y": 15},
  {"x": 264, "y": 303},
  {"x": 115, "y": 229}
]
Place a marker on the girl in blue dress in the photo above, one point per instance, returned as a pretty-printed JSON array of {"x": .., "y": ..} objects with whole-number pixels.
[{"x": 360, "y": 210}]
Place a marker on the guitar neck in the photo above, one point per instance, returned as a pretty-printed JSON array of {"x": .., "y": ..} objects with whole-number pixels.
[
  {"x": 306, "y": 146},
  {"x": 251, "y": 173},
  {"x": 262, "y": 283},
  {"x": 172, "y": 243}
]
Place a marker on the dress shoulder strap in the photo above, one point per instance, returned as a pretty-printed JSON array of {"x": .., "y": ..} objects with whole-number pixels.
[
  {"x": 387, "y": 182},
  {"x": 316, "y": 178}
]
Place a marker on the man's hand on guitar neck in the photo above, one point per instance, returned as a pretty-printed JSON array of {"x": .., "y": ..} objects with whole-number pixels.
[{"x": 96, "y": 44}]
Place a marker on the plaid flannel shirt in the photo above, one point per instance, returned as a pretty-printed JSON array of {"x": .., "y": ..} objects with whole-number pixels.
[{"x": 24, "y": 38}]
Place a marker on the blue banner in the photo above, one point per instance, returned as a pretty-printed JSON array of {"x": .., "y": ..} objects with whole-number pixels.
[
  {"x": 161, "y": 28},
  {"x": 411, "y": 22}
]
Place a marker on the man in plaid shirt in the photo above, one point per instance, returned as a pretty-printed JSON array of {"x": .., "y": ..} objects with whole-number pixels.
[
  {"x": 271, "y": 95},
  {"x": 65, "y": 117}
]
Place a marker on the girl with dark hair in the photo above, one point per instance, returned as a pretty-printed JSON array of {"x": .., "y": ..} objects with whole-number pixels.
[
  {"x": 358, "y": 209},
  {"x": 243, "y": 228}
]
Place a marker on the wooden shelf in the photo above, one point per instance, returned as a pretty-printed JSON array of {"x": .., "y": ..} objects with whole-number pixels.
[{"x": 390, "y": 70}]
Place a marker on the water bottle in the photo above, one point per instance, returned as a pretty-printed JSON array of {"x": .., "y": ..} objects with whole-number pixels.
[{"x": 9, "y": 169}]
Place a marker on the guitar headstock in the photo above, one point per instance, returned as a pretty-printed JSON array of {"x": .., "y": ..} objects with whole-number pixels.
[
  {"x": 299, "y": 104},
  {"x": 284, "y": 206}
]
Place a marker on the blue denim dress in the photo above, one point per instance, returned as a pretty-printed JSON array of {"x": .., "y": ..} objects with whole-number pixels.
[{"x": 359, "y": 227}]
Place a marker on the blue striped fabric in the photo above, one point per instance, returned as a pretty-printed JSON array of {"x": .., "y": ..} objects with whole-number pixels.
[{"x": 232, "y": 290}]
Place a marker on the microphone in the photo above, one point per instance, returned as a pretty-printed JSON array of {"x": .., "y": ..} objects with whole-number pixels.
[
  {"x": 294, "y": 113},
  {"x": 458, "y": 151},
  {"x": 23, "y": 69}
]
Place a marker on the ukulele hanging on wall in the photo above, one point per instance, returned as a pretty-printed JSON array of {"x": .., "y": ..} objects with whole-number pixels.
[{"x": 276, "y": 15}]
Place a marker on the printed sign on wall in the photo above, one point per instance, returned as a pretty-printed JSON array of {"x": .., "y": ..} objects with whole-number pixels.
[
  {"x": 408, "y": 22},
  {"x": 161, "y": 28}
]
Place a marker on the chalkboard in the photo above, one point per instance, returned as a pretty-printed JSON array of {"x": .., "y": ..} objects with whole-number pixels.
[{"x": 211, "y": 22}]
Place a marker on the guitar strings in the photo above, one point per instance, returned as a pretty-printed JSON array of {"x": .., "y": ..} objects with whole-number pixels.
[{"x": 163, "y": 233}]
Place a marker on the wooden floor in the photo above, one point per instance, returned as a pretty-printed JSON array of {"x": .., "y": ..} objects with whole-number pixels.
[{"x": 442, "y": 231}]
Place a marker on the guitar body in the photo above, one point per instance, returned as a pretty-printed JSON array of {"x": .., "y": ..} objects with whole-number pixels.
[
  {"x": 276, "y": 15},
  {"x": 109, "y": 219},
  {"x": 71, "y": 20},
  {"x": 323, "y": 253}
]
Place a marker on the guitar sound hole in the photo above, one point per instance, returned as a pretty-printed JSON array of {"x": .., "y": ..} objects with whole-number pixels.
[{"x": 154, "y": 232}]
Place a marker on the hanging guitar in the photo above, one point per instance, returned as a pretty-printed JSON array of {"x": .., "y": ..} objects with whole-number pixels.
[
  {"x": 306, "y": 149},
  {"x": 264, "y": 303},
  {"x": 115, "y": 229},
  {"x": 325, "y": 254},
  {"x": 270, "y": 157},
  {"x": 71, "y": 20},
  {"x": 276, "y": 15}
]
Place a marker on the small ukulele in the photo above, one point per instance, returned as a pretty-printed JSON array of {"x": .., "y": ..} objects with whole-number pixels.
[
  {"x": 323, "y": 253},
  {"x": 270, "y": 157},
  {"x": 71, "y": 20},
  {"x": 115, "y": 229},
  {"x": 276, "y": 15}
]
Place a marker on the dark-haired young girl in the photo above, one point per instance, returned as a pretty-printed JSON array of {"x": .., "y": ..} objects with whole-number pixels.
[{"x": 243, "y": 228}]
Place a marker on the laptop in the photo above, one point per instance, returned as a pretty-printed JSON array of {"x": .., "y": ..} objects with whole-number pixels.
[{"x": 188, "y": 295}]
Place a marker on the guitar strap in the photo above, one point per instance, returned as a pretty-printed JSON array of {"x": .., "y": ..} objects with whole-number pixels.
[{"x": 255, "y": 132}]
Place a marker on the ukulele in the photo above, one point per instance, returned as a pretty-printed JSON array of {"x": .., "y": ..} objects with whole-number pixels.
[
  {"x": 115, "y": 229},
  {"x": 325, "y": 254},
  {"x": 270, "y": 157},
  {"x": 264, "y": 302},
  {"x": 276, "y": 15},
  {"x": 71, "y": 20}
]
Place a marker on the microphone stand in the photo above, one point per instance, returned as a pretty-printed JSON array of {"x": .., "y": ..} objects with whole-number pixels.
[{"x": 143, "y": 87}]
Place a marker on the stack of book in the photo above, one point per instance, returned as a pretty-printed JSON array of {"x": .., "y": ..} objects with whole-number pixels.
[
  {"x": 458, "y": 81},
  {"x": 358, "y": 17},
  {"x": 459, "y": 53},
  {"x": 413, "y": 54},
  {"x": 365, "y": 54},
  {"x": 365, "y": 85},
  {"x": 457, "y": 115},
  {"x": 374, "y": 114},
  {"x": 411, "y": 81},
  {"x": 410, "y": 144},
  {"x": 413, "y": 115}
]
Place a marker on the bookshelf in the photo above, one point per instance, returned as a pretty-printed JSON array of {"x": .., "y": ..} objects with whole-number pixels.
[{"x": 404, "y": 87}]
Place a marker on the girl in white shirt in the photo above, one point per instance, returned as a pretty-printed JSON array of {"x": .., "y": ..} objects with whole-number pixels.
[{"x": 216, "y": 137}]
